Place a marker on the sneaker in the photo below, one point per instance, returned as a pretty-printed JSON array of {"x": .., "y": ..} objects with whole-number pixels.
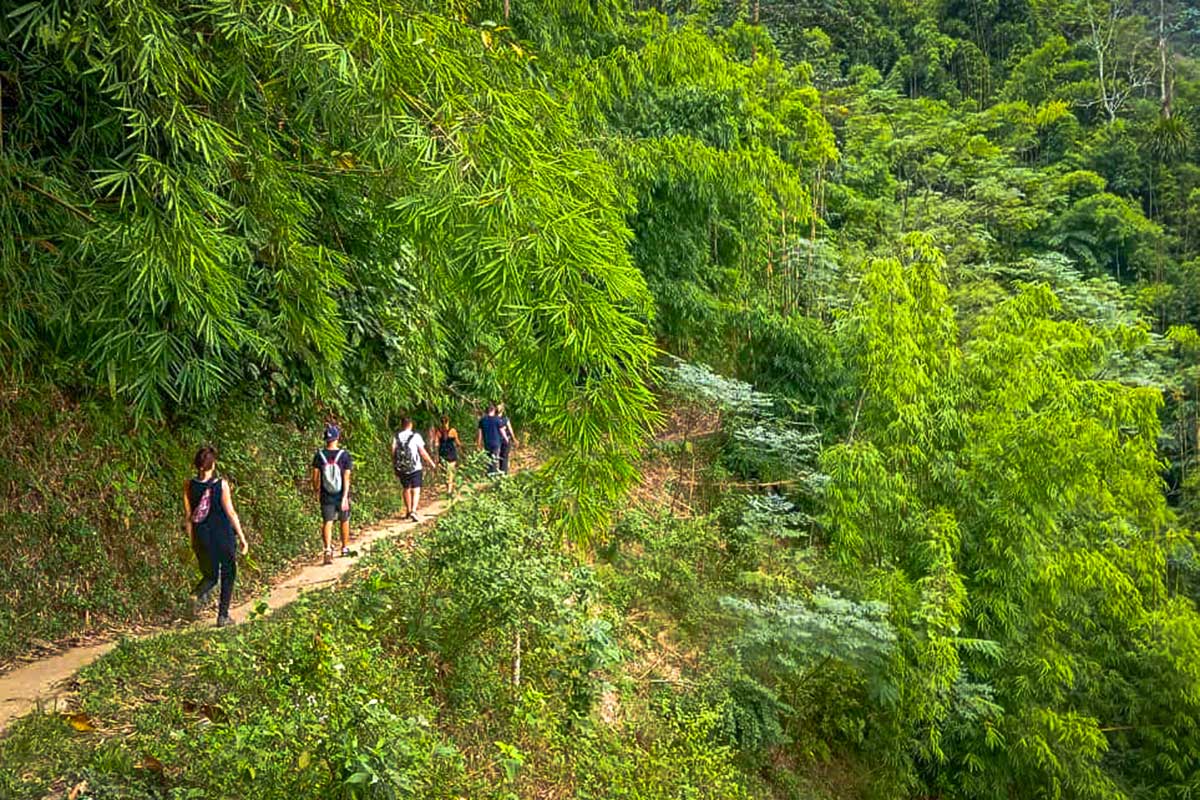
[
  {"x": 413, "y": 517},
  {"x": 328, "y": 557},
  {"x": 345, "y": 552},
  {"x": 224, "y": 621}
]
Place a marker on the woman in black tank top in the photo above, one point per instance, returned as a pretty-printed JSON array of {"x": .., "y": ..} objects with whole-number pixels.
[
  {"x": 215, "y": 532},
  {"x": 447, "y": 450}
]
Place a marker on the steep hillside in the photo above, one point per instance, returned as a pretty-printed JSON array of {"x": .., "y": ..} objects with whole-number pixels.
[{"x": 930, "y": 276}]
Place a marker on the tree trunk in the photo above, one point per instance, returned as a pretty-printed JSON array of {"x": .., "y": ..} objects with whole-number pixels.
[
  {"x": 516, "y": 675},
  {"x": 1164, "y": 80}
]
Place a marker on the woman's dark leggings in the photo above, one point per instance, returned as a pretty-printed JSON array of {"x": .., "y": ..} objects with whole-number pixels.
[
  {"x": 218, "y": 561},
  {"x": 504, "y": 448}
]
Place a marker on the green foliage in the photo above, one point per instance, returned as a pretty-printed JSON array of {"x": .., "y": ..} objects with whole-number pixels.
[
  {"x": 942, "y": 258},
  {"x": 1014, "y": 507},
  {"x": 370, "y": 690},
  {"x": 206, "y": 196}
]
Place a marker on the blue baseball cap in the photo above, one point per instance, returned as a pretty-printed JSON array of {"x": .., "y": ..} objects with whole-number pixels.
[{"x": 332, "y": 432}]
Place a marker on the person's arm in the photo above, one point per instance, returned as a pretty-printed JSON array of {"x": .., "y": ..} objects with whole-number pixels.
[
  {"x": 425, "y": 455},
  {"x": 479, "y": 436},
  {"x": 187, "y": 515},
  {"x": 346, "y": 489},
  {"x": 227, "y": 503},
  {"x": 512, "y": 434},
  {"x": 316, "y": 481}
]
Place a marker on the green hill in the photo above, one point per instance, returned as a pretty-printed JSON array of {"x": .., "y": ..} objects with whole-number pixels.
[{"x": 930, "y": 278}]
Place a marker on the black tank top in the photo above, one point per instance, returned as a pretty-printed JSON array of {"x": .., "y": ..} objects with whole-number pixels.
[
  {"x": 447, "y": 449},
  {"x": 217, "y": 521}
]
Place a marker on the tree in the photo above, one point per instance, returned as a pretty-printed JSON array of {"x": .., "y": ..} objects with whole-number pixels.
[
  {"x": 1007, "y": 504},
  {"x": 202, "y": 196},
  {"x": 1118, "y": 46}
]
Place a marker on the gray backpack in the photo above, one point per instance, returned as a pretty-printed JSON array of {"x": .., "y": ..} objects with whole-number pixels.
[{"x": 331, "y": 473}]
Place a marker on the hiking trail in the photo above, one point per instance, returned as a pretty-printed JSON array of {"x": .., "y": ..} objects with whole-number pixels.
[{"x": 44, "y": 682}]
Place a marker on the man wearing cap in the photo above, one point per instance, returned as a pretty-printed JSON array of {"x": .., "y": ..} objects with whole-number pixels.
[{"x": 331, "y": 470}]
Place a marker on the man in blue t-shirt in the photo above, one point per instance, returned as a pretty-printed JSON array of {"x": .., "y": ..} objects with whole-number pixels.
[
  {"x": 331, "y": 470},
  {"x": 490, "y": 438}
]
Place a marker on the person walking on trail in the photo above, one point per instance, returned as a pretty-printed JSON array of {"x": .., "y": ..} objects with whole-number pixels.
[
  {"x": 508, "y": 437},
  {"x": 490, "y": 439},
  {"x": 212, "y": 524},
  {"x": 408, "y": 451},
  {"x": 332, "y": 468},
  {"x": 447, "y": 444}
]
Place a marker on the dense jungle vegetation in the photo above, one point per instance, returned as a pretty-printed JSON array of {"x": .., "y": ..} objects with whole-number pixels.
[{"x": 861, "y": 338}]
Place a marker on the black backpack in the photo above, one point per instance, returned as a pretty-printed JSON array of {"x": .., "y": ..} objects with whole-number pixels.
[{"x": 402, "y": 460}]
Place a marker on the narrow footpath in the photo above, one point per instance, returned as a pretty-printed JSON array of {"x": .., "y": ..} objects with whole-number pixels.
[{"x": 44, "y": 682}]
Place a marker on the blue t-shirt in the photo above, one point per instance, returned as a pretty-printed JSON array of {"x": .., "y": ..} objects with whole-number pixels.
[
  {"x": 342, "y": 459},
  {"x": 490, "y": 427}
]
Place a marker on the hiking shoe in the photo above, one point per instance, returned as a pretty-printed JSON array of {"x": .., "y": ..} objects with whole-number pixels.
[
  {"x": 345, "y": 552},
  {"x": 224, "y": 621},
  {"x": 413, "y": 517},
  {"x": 328, "y": 557}
]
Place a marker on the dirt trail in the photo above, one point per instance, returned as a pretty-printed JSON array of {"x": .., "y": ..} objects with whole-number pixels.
[{"x": 41, "y": 682}]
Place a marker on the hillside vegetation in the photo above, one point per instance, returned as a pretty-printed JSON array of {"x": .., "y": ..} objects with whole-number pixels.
[{"x": 916, "y": 283}]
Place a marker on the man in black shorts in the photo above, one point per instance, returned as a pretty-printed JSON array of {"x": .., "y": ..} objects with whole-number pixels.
[
  {"x": 490, "y": 438},
  {"x": 331, "y": 469},
  {"x": 408, "y": 451}
]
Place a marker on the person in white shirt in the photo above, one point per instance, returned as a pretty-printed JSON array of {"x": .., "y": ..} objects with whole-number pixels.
[{"x": 408, "y": 451}]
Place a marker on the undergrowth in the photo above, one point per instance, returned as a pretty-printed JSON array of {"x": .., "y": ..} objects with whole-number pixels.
[{"x": 488, "y": 662}]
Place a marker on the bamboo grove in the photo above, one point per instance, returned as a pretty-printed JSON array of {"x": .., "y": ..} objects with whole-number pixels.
[{"x": 934, "y": 268}]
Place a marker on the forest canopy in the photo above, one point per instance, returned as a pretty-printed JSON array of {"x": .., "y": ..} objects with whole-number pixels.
[{"x": 933, "y": 267}]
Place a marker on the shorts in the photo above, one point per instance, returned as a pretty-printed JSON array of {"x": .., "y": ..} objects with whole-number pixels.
[
  {"x": 332, "y": 512},
  {"x": 412, "y": 480}
]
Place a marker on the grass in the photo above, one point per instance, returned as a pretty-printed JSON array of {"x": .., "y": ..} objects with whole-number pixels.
[{"x": 401, "y": 683}]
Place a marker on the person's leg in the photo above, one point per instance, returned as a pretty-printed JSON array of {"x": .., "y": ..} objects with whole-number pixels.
[
  {"x": 493, "y": 460},
  {"x": 407, "y": 500},
  {"x": 328, "y": 515},
  {"x": 227, "y": 562},
  {"x": 415, "y": 482},
  {"x": 450, "y": 467},
  {"x": 346, "y": 530},
  {"x": 504, "y": 451},
  {"x": 208, "y": 572}
]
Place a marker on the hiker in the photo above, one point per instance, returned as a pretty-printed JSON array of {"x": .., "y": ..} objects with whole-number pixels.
[
  {"x": 490, "y": 439},
  {"x": 508, "y": 437},
  {"x": 446, "y": 444},
  {"x": 331, "y": 470},
  {"x": 212, "y": 523},
  {"x": 408, "y": 451}
]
